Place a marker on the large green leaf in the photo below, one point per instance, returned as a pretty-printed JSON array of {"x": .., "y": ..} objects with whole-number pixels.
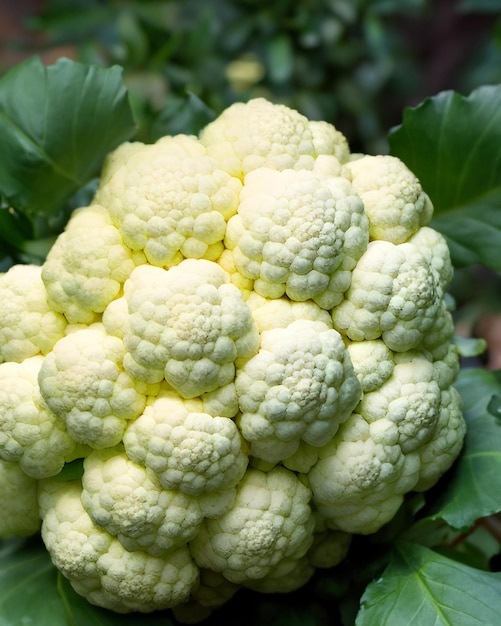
[
  {"x": 473, "y": 488},
  {"x": 422, "y": 587},
  {"x": 57, "y": 123},
  {"x": 453, "y": 145},
  {"x": 28, "y": 589}
]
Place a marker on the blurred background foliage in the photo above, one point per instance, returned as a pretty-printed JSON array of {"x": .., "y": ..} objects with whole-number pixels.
[{"x": 355, "y": 63}]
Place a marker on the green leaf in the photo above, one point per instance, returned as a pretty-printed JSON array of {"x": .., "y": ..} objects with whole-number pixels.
[
  {"x": 57, "y": 124},
  {"x": 494, "y": 406},
  {"x": 28, "y": 590},
  {"x": 453, "y": 145},
  {"x": 472, "y": 490},
  {"x": 421, "y": 587},
  {"x": 470, "y": 346}
]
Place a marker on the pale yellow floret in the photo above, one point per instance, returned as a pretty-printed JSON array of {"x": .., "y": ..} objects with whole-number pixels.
[
  {"x": 100, "y": 568},
  {"x": 169, "y": 199},
  {"x": 362, "y": 475},
  {"x": 439, "y": 454},
  {"x": 300, "y": 385},
  {"x": 270, "y": 520},
  {"x": 127, "y": 500},
  {"x": 297, "y": 234},
  {"x": 83, "y": 382},
  {"x": 372, "y": 361},
  {"x": 281, "y": 312},
  {"x": 258, "y": 133},
  {"x": 434, "y": 246},
  {"x": 394, "y": 200},
  {"x": 18, "y": 492},
  {"x": 395, "y": 294},
  {"x": 188, "y": 325},
  {"x": 28, "y": 324},
  {"x": 328, "y": 140},
  {"x": 409, "y": 398},
  {"x": 87, "y": 266},
  {"x": 30, "y": 432},
  {"x": 188, "y": 449}
]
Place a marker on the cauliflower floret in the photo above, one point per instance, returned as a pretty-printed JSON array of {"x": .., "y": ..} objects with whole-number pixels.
[
  {"x": 213, "y": 591},
  {"x": 280, "y": 312},
  {"x": 83, "y": 382},
  {"x": 30, "y": 432},
  {"x": 300, "y": 385},
  {"x": 434, "y": 247},
  {"x": 258, "y": 133},
  {"x": 28, "y": 324},
  {"x": 287, "y": 576},
  {"x": 188, "y": 324},
  {"x": 18, "y": 493},
  {"x": 127, "y": 500},
  {"x": 372, "y": 361},
  {"x": 329, "y": 548},
  {"x": 97, "y": 565},
  {"x": 270, "y": 520},
  {"x": 328, "y": 140},
  {"x": 394, "y": 200},
  {"x": 82, "y": 285},
  {"x": 297, "y": 234},
  {"x": 395, "y": 294},
  {"x": 188, "y": 449},
  {"x": 410, "y": 398},
  {"x": 362, "y": 475},
  {"x": 439, "y": 454},
  {"x": 169, "y": 199}
]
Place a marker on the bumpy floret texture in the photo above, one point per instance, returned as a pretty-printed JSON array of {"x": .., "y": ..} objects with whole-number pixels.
[
  {"x": 29, "y": 326},
  {"x": 236, "y": 358},
  {"x": 82, "y": 285},
  {"x": 170, "y": 200}
]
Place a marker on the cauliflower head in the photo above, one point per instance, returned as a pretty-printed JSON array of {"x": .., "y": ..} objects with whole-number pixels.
[{"x": 236, "y": 358}]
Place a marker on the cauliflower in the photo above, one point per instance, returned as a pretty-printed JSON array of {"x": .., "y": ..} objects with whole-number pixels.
[
  {"x": 301, "y": 385},
  {"x": 100, "y": 568},
  {"x": 242, "y": 349},
  {"x": 270, "y": 520},
  {"x": 394, "y": 200},
  {"x": 298, "y": 234},
  {"x": 30, "y": 433},
  {"x": 127, "y": 500},
  {"x": 396, "y": 293},
  {"x": 83, "y": 383},
  {"x": 170, "y": 200},
  {"x": 29, "y": 326},
  {"x": 21, "y": 517},
  {"x": 188, "y": 326}
]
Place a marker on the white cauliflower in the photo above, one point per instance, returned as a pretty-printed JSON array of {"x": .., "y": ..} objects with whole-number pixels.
[
  {"x": 187, "y": 325},
  {"x": 243, "y": 350},
  {"x": 170, "y": 200},
  {"x": 297, "y": 233},
  {"x": 301, "y": 385},
  {"x": 83, "y": 382},
  {"x": 29, "y": 325}
]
